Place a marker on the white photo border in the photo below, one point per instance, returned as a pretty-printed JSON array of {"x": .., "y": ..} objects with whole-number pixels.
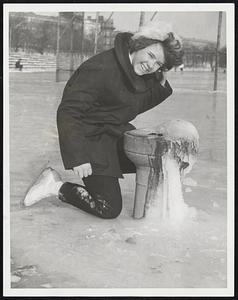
[{"x": 228, "y": 8}]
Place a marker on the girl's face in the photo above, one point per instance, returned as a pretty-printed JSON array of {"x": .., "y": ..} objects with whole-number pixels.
[{"x": 148, "y": 60}]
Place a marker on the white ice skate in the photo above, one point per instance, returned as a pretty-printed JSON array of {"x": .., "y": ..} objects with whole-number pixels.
[{"x": 43, "y": 187}]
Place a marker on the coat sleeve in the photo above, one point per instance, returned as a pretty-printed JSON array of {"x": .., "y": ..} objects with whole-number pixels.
[
  {"x": 158, "y": 93},
  {"x": 80, "y": 93}
]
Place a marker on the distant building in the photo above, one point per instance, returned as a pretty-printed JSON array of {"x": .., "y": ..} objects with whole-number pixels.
[
  {"x": 30, "y": 20},
  {"x": 105, "y": 30},
  {"x": 199, "y": 53},
  {"x": 32, "y": 17},
  {"x": 198, "y": 43}
]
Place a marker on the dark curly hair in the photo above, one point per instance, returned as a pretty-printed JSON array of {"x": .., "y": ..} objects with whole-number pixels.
[{"x": 173, "y": 51}]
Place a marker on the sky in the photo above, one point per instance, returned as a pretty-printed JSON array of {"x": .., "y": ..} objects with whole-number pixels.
[{"x": 199, "y": 25}]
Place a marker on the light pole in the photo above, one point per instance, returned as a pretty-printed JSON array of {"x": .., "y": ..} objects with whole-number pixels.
[
  {"x": 57, "y": 48},
  {"x": 217, "y": 50},
  {"x": 71, "y": 45},
  {"x": 96, "y": 34},
  {"x": 142, "y": 18},
  {"x": 82, "y": 33},
  {"x": 154, "y": 14}
]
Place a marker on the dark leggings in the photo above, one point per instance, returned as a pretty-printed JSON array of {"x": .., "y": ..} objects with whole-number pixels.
[{"x": 101, "y": 195}]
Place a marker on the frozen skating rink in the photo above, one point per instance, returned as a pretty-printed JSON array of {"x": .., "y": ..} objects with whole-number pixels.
[{"x": 54, "y": 245}]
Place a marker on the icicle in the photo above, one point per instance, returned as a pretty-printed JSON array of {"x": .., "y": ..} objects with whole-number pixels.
[{"x": 182, "y": 148}]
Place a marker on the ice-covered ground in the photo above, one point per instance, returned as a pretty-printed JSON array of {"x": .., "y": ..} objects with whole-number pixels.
[{"x": 57, "y": 245}]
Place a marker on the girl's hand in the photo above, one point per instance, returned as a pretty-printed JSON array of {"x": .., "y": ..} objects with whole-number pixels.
[{"x": 83, "y": 170}]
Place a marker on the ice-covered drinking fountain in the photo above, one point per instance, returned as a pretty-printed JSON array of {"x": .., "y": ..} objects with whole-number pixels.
[{"x": 162, "y": 155}]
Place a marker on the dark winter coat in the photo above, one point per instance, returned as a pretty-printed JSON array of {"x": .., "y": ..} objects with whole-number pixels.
[{"x": 98, "y": 101}]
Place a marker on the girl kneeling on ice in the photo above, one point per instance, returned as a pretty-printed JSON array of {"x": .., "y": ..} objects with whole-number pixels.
[{"x": 100, "y": 99}]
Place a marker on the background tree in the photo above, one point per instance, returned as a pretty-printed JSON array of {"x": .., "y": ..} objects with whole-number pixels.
[{"x": 16, "y": 31}]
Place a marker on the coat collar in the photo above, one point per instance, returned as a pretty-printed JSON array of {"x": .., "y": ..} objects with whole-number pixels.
[{"x": 121, "y": 47}]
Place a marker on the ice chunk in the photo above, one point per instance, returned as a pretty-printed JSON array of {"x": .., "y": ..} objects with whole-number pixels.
[
  {"x": 15, "y": 278},
  {"x": 188, "y": 190},
  {"x": 189, "y": 181}
]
